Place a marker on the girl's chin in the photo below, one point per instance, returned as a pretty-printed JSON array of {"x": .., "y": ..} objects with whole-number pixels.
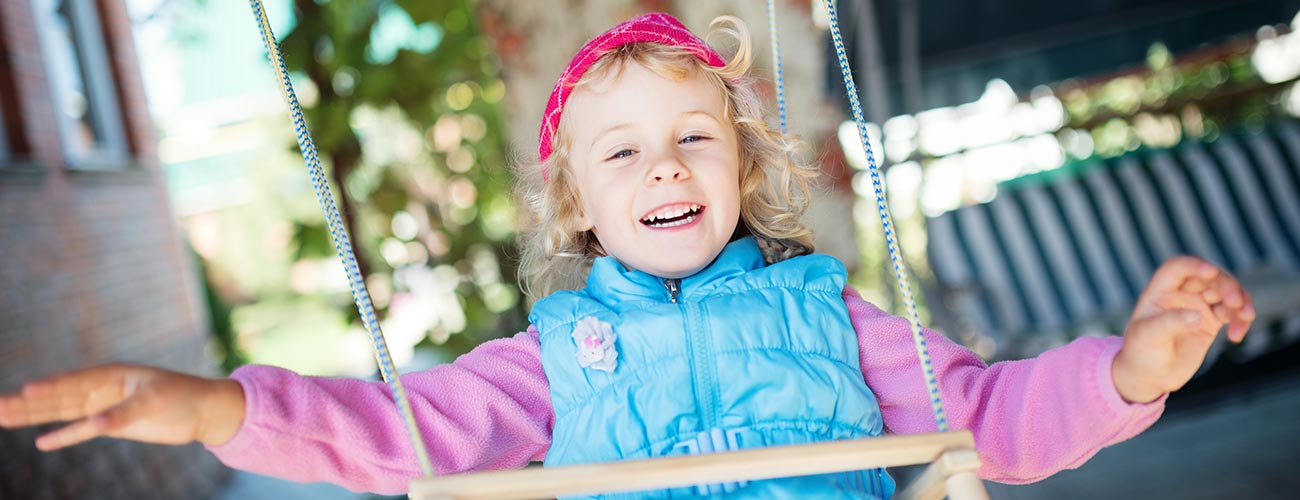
[
  {"x": 677, "y": 274},
  {"x": 673, "y": 270},
  {"x": 672, "y": 257},
  {"x": 678, "y": 269}
]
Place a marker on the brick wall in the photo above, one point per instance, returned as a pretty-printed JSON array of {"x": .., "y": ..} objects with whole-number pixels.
[{"x": 94, "y": 270}]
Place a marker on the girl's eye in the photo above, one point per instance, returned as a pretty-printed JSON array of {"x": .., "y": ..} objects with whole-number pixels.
[
  {"x": 693, "y": 138},
  {"x": 624, "y": 153}
]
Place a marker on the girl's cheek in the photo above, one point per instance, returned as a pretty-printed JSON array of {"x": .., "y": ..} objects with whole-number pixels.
[
  {"x": 718, "y": 156},
  {"x": 620, "y": 174},
  {"x": 603, "y": 182}
]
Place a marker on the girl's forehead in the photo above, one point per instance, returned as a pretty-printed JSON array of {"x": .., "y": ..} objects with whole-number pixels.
[
  {"x": 636, "y": 87},
  {"x": 627, "y": 70}
]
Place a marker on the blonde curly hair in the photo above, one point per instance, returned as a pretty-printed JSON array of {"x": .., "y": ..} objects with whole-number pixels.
[{"x": 774, "y": 187}]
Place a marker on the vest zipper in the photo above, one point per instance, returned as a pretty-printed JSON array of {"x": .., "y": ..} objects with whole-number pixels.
[
  {"x": 674, "y": 287},
  {"x": 701, "y": 351}
]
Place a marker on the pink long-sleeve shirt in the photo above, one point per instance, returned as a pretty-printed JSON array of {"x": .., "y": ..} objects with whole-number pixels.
[{"x": 491, "y": 409}]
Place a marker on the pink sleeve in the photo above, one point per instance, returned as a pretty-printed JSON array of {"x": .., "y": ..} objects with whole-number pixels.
[
  {"x": 1031, "y": 418},
  {"x": 490, "y": 409}
]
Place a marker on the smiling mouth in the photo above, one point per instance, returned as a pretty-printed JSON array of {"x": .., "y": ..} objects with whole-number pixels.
[{"x": 673, "y": 216}]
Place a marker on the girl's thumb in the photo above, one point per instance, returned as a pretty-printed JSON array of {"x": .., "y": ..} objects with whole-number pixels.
[{"x": 85, "y": 429}]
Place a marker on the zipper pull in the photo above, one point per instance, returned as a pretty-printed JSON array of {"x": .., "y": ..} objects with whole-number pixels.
[{"x": 674, "y": 287}]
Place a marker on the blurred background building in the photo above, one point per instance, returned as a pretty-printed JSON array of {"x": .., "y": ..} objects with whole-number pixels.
[
  {"x": 1040, "y": 158},
  {"x": 95, "y": 266}
]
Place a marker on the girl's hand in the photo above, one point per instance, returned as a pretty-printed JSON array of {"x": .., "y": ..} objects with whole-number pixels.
[
  {"x": 133, "y": 402},
  {"x": 1176, "y": 319}
]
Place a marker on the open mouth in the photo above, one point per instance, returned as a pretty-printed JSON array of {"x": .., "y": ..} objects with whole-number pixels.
[{"x": 673, "y": 216}]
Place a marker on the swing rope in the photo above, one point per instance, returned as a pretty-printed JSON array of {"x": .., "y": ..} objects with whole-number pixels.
[
  {"x": 342, "y": 244},
  {"x": 895, "y": 255},
  {"x": 776, "y": 63}
]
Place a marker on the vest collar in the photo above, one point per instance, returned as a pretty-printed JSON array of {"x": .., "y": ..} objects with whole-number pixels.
[{"x": 611, "y": 282}]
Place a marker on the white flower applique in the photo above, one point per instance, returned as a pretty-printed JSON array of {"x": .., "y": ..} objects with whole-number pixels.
[{"x": 595, "y": 341}]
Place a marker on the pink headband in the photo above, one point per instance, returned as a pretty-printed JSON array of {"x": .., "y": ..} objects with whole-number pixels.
[{"x": 656, "y": 27}]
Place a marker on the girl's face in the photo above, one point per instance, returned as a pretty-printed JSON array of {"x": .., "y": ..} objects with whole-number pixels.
[{"x": 657, "y": 166}]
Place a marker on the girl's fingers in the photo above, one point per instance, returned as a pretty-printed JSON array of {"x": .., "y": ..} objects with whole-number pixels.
[
  {"x": 1232, "y": 298},
  {"x": 104, "y": 423},
  {"x": 1221, "y": 298},
  {"x": 1236, "y": 309},
  {"x": 1237, "y": 331},
  {"x": 39, "y": 402},
  {"x": 1224, "y": 313},
  {"x": 1174, "y": 272},
  {"x": 1241, "y": 323},
  {"x": 77, "y": 432},
  {"x": 1212, "y": 295},
  {"x": 1222, "y": 288},
  {"x": 1233, "y": 295},
  {"x": 1194, "y": 286},
  {"x": 1184, "y": 300},
  {"x": 13, "y": 412},
  {"x": 62, "y": 398}
]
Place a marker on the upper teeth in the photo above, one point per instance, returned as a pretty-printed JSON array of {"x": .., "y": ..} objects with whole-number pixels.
[{"x": 671, "y": 212}]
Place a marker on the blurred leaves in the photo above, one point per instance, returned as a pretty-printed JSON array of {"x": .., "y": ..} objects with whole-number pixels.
[
  {"x": 385, "y": 74},
  {"x": 1202, "y": 92},
  {"x": 311, "y": 241}
]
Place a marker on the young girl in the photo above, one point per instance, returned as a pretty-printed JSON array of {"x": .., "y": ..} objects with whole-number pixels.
[{"x": 704, "y": 324}]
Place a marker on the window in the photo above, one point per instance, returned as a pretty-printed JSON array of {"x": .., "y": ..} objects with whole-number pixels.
[{"x": 81, "y": 80}]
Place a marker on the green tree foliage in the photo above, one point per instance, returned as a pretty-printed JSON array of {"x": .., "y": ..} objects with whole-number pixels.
[{"x": 406, "y": 117}]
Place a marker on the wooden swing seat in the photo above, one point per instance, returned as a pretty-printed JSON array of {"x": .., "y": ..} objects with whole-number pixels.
[{"x": 951, "y": 456}]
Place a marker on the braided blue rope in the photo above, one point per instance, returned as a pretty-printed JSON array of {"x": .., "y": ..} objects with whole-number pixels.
[
  {"x": 940, "y": 418},
  {"x": 776, "y": 63},
  {"x": 341, "y": 242}
]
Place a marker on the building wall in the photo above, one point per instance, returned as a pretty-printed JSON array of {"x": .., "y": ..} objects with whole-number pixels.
[{"x": 94, "y": 271}]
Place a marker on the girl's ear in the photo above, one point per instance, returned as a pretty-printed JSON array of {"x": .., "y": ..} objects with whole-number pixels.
[{"x": 583, "y": 222}]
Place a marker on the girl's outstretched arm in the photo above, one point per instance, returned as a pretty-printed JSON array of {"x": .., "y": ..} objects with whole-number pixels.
[
  {"x": 1031, "y": 418},
  {"x": 490, "y": 409}
]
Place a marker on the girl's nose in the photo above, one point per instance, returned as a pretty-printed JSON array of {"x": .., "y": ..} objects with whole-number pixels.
[{"x": 667, "y": 169}]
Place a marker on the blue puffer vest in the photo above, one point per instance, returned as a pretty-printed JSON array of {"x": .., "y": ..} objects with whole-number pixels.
[{"x": 739, "y": 355}]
